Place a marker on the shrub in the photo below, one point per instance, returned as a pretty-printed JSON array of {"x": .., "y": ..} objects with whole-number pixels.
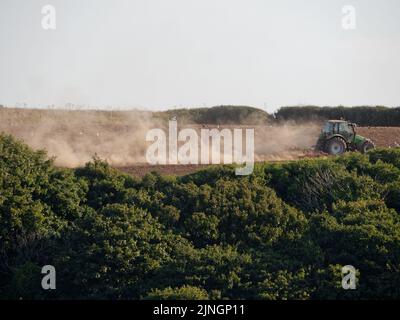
[{"x": 282, "y": 233}]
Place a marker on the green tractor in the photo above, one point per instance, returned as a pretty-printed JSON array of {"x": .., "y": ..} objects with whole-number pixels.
[{"x": 339, "y": 136}]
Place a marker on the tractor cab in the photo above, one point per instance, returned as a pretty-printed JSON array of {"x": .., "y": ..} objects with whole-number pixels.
[{"x": 338, "y": 127}]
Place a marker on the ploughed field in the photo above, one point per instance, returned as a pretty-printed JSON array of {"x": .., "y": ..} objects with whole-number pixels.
[{"x": 381, "y": 136}]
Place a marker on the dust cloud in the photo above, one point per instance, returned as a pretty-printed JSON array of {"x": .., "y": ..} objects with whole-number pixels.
[
  {"x": 74, "y": 137},
  {"x": 286, "y": 141}
]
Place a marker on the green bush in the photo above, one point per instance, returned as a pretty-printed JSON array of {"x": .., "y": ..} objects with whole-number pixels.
[
  {"x": 283, "y": 232},
  {"x": 182, "y": 293}
]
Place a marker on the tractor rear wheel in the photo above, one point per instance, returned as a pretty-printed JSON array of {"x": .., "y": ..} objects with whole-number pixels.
[
  {"x": 336, "y": 146},
  {"x": 366, "y": 146}
]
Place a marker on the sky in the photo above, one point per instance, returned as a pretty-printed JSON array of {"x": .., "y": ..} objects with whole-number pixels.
[{"x": 162, "y": 54}]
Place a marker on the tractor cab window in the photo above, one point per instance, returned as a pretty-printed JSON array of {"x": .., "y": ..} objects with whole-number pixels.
[
  {"x": 344, "y": 127},
  {"x": 328, "y": 127}
]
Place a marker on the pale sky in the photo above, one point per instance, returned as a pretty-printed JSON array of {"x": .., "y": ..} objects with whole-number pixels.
[{"x": 159, "y": 54}]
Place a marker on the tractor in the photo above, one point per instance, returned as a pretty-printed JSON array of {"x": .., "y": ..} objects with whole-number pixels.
[{"x": 339, "y": 136}]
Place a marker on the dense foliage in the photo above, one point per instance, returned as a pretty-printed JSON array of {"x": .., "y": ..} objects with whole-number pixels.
[
  {"x": 364, "y": 116},
  {"x": 218, "y": 115},
  {"x": 283, "y": 232}
]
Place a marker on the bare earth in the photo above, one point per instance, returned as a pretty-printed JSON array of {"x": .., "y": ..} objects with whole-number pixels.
[{"x": 382, "y": 137}]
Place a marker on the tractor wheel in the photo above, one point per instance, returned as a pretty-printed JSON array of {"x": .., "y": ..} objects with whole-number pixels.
[
  {"x": 366, "y": 146},
  {"x": 336, "y": 146}
]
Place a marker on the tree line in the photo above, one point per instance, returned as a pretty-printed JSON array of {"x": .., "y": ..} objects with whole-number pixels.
[
  {"x": 364, "y": 116},
  {"x": 218, "y": 115},
  {"x": 375, "y": 116}
]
